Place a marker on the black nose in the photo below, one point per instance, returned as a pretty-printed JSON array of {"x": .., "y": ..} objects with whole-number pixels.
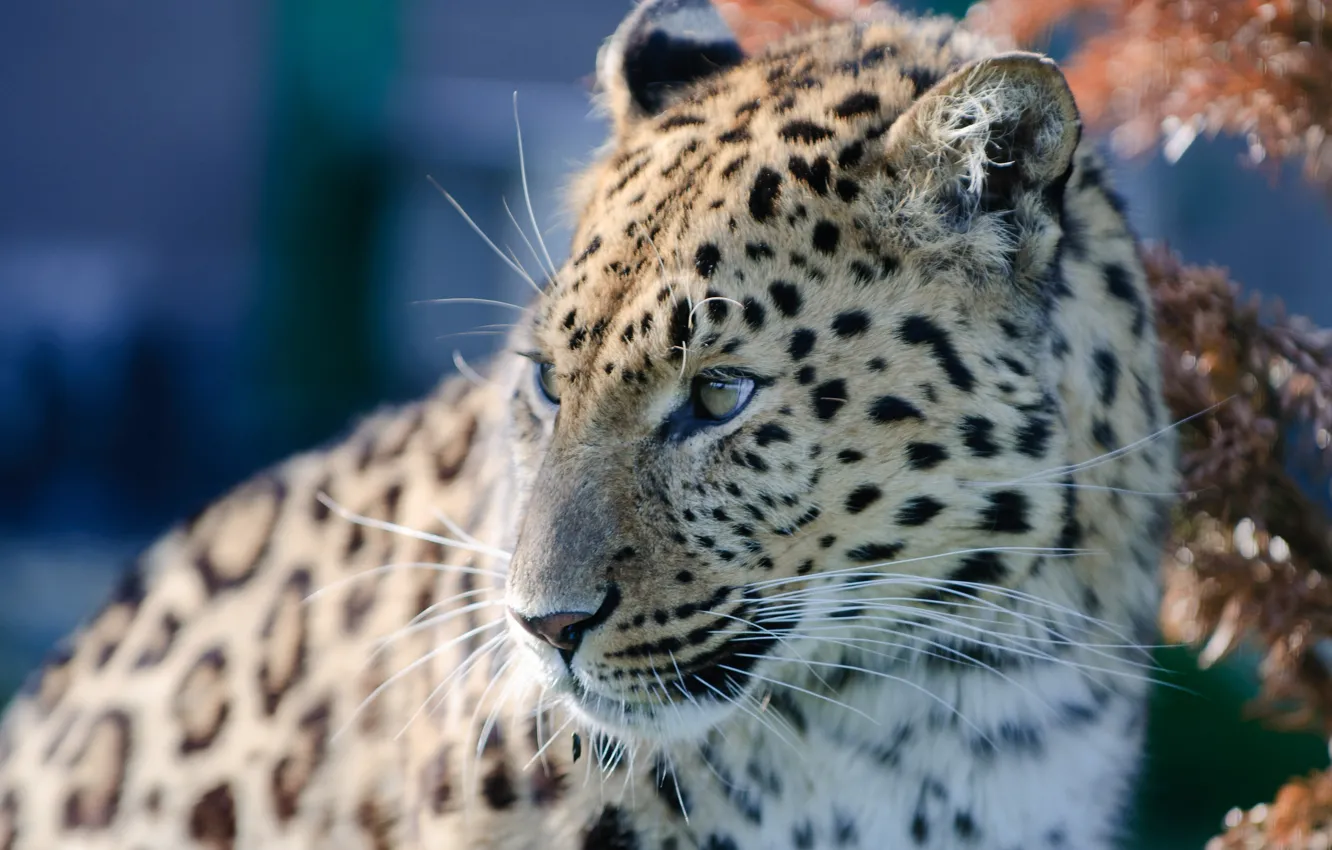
[{"x": 563, "y": 631}]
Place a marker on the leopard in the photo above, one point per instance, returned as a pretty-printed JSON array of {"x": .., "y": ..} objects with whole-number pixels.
[{"x": 816, "y": 501}]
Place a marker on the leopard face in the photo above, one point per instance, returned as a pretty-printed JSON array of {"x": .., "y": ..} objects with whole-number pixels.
[{"x": 785, "y": 401}]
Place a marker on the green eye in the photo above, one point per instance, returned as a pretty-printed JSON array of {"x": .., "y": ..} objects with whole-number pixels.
[
  {"x": 718, "y": 399},
  {"x": 547, "y": 382}
]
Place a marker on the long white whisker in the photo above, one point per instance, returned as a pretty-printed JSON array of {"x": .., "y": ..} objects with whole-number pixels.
[
  {"x": 1122, "y": 450},
  {"x": 418, "y": 625},
  {"x": 519, "y": 270},
  {"x": 531, "y": 249},
  {"x": 926, "y": 691},
  {"x": 424, "y": 659},
  {"x": 527, "y": 196},
  {"x": 393, "y": 527},
  {"x": 440, "y": 693},
  {"x": 540, "y": 754},
  {"x": 388, "y": 568},
  {"x": 469, "y": 300},
  {"x": 465, "y": 369}
]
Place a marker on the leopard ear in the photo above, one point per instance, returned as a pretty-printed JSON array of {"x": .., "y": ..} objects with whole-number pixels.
[
  {"x": 659, "y": 50},
  {"x": 996, "y": 131}
]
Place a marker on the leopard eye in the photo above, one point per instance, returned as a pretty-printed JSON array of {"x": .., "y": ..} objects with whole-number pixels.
[
  {"x": 547, "y": 382},
  {"x": 719, "y": 399}
]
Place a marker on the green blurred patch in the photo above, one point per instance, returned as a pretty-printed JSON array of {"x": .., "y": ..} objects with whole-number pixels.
[{"x": 1204, "y": 757}]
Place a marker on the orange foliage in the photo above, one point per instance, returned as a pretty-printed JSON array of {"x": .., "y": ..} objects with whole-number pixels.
[{"x": 1173, "y": 70}]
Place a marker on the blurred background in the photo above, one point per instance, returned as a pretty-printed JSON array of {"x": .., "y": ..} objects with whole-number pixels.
[{"x": 217, "y": 235}]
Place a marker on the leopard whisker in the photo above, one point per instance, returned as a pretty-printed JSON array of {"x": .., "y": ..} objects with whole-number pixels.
[
  {"x": 805, "y": 691},
  {"x": 554, "y": 736},
  {"x": 424, "y": 659},
  {"x": 465, "y": 369},
  {"x": 527, "y": 195},
  {"x": 419, "y": 625},
  {"x": 936, "y": 616},
  {"x": 388, "y": 568},
  {"x": 1011, "y": 650},
  {"x": 522, "y": 233},
  {"x": 1122, "y": 450},
  {"x": 440, "y": 693},
  {"x": 880, "y": 674},
  {"x": 747, "y": 710},
  {"x": 395, "y": 528},
  {"x": 489, "y": 302},
  {"x": 873, "y": 569},
  {"x": 517, "y": 268},
  {"x": 1070, "y": 485}
]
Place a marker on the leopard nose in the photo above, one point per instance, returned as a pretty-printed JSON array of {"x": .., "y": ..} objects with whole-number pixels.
[{"x": 563, "y": 631}]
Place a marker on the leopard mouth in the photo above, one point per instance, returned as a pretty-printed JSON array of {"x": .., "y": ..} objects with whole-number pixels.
[{"x": 682, "y": 700}]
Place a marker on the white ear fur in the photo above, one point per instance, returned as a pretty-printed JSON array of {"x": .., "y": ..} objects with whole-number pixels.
[
  {"x": 995, "y": 127},
  {"x": 659, "y": 49}
]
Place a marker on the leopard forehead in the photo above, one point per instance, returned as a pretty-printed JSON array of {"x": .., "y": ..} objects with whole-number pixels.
[{"x": 758, "y": 183}]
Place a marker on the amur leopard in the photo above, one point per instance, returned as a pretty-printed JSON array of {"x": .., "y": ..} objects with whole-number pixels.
[{"x": 818, "y": 503}]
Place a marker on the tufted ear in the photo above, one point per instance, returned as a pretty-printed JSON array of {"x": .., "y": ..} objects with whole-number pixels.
[
  {"x": 662, "y": 47},
  {"x": 995, "y": 131}
]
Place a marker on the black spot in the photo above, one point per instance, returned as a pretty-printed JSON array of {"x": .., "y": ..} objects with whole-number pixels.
[
  {"x": 918, "y": 511},
  {"x": 213, "y": 818},
  {"x": 826, "y": 235},
  {"x": 851, "y": 323},
  {"x": 735, "y": 136},
  {"x": 980, "y": 568},
  {"x": 610, "y": 831},
  {"x": 706, "y": 258},
  {"x": 684, "y": 577},
  {"x": 1104, "y": 434},
  {"x": 875, "y": 552},
  {"x": 1007, "y": 512},
  {"x": 848, "y": 190},
  {"x": 815, "y": 176},
  {"x": 1107, "y": 373},
  {"x": 802, "y": 343},
  {"x": 785, "y": 297},
  {"x": 862, "y": 497},
  {"x": 859, "y": 103},
  {"x": 806, "y": 132},
  {"x": 1034, "y": 436},
  {"x": 1120, "y": 284},
  {"x": 922, "y": 456},
  {"x": 921, "y": 330},
  {"x": 680, "y": 331},
  {"x": 764, "y": 193},
  {"x": 978, "y": 434},
  {"x": 828, "y": 398},
  {"x": 754, "y": 314},
  {"x": 771, "y": 432},
  {"x": 806, "y": 375},
  {"x": 733, "y": 166},
  {"x": 718, "y": 307},
  {"x": 920, "y": 828},
  {"x": 890, "y": 408},
  {"x": 850, "y": 155},
  {"x": 592, "y": 247},
  {"x": 758, "y": 251},
  {"x": 964, "y": 826},
  {"x": 849, "y": 456},
  {"x": 569, "y": 319}
]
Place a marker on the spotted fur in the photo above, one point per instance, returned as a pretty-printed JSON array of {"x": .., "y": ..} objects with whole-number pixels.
[{"x": 895, "y": 600}]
